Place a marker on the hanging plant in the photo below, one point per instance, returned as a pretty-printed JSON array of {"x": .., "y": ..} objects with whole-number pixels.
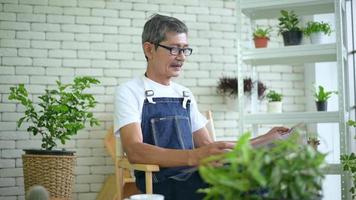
[{"x": 227, "y": 86}]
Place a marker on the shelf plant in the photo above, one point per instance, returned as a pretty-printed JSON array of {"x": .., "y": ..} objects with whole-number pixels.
[
  {"x": 59, "y": 115},
  {"x": 274, "y": 102},
  {"x": 316, "y": 31},
  {"x": 289, "y": 28},
  {"x": 261, "y": 36},
  {"x": 313, "y": 141},
  {"x": 286, "y": 170},
  {"x": 321, "y": 97},
  {"x": 227, "y": 86},
  {"x": 348, "y": 163}
]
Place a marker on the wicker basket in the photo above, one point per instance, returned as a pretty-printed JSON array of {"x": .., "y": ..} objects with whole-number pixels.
[{"x": 55, "y": 173}]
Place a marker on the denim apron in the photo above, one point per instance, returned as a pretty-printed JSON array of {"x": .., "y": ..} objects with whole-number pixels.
[{"x": 166, "y": 123}]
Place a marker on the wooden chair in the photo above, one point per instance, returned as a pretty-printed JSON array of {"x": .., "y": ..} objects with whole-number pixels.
[{"x": 124, "y": 169}]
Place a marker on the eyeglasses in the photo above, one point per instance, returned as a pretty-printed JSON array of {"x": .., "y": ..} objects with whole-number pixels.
[{"x": 176, "y": 50}]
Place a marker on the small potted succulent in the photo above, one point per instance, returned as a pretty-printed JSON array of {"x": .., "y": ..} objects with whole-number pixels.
[
  {"x": 313, "y": 141},
  {"x": 261, "y": 36},
  {"x": 59, "y": 114},
  {"x": 274, "y": 102},
  {"x": 321, "y": 98},
  {"x": 317, "y": 31},
  {"x": 289, "y": 28}
]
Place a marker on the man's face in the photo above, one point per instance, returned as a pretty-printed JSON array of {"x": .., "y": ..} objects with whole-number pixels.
[{"x": 163, "y": 64}]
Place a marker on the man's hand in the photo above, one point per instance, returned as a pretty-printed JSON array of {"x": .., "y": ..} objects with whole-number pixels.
[
  {"x": 276, "y": 132},
  {"x": 273, "y": 134},
  {"x": 196, "y": 155}
]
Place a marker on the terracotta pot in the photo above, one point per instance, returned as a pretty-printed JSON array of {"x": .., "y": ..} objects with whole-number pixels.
[{"x": 261, "y": 42}]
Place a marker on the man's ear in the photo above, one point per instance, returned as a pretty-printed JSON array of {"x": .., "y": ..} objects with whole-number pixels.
[{"x": 148, "y": 49}]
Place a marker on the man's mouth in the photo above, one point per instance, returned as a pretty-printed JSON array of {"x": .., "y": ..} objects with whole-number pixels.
[{"x": 176, "y": 65}]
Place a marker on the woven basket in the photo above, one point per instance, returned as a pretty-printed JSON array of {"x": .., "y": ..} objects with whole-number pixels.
[{"x": 55, "y": 173}]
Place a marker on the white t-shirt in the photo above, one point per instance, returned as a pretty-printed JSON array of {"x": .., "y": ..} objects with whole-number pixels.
[{"x": 129, "y": 98}]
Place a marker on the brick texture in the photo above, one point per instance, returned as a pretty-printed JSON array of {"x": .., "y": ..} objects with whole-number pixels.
[{"x": 45, "y": 40}]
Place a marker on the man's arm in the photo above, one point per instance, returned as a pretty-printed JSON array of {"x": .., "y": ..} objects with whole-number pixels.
[
  {"x": 273, "y": 134},
  {"x": 139, "y": 152},
  {"x": 201, "y": 137}
]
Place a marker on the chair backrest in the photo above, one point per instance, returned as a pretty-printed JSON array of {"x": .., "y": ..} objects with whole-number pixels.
[
  {"x": 210, "y": 125},
  {"x": 110, "y": 143}
]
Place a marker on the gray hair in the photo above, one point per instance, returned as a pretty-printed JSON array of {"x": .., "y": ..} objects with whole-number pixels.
[{"x": 157, "y": 26}]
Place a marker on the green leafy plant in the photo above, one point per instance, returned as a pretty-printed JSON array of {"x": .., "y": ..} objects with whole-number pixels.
[
  {"x": 288, "y": 21},
  {"x": 228, "y": 86},
  {"x": 315, "y": 27},
  {"x": 351, "y": 123},
  {"x": 287, "y": 170},
  {"x": 321, "y": 95},
  {"x": 262, "y": 32},
  {"x": 349, "y": 165},
  {"x": 60, "y": 113},
  {"x": 274, "y": 96}
]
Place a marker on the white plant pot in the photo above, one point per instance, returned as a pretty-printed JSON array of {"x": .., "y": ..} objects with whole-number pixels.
[
  {"x": 319, "y": 38},
  {"x": 274, "y": 107},
  {"x": 232, "y": 104}
]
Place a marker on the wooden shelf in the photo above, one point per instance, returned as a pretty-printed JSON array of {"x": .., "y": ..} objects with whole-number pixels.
[
  {"x": 262, "y": 9},
  {"x": 298, "y": 54},
  {"x": 291, "y": 117}
]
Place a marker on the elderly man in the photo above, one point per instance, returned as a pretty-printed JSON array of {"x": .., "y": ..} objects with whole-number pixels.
[{"x": 158, "y": 120}]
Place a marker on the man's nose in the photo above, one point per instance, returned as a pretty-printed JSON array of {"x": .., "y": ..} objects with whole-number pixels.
[{"x": 181, "y": 55}]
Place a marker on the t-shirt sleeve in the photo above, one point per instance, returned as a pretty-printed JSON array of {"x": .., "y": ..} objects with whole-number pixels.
[
  {"x": 126, "y": 108},
  {"x": 198, "y": 120}
]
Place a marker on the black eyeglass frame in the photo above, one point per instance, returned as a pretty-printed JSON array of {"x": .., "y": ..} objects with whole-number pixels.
[{"x": 186, "y": 51}]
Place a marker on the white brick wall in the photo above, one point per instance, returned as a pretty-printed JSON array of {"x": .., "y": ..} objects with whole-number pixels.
[{"x": 45, "y": 40}]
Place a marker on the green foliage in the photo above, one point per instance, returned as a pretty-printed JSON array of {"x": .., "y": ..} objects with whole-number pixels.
[
  {"x": 321, "y": 95},
  {"x": 315, "y": 27},
  {"x": 288, "y": 21},
  {"x": 349, "y": 165},
  {"x": 274, "y": 96},
  {"x": 287, "y": 170},
  {"x": 60, "y": 113},
  {"x": 262, "y": 32},
  {"x": 351, "y": 123}
]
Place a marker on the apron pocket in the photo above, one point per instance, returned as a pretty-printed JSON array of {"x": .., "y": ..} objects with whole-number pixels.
[{"x": 172, "y": 132}]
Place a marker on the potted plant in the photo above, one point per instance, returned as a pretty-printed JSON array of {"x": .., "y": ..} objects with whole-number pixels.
[
  {"x": 59, "y": 114},
  {"x": 261, "y": 36},
  {"x": 317, "y": 31},
  {"x": 288, "y": 27},
  {"x": 286, "y": 170},
  {"x": 348, "y": 163},
  {"x": 321, "y": 98},
  {"x": 313, "y": 141},
  {"x": 227, "y": 86},
  {"x": 274, "y": 102}
]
